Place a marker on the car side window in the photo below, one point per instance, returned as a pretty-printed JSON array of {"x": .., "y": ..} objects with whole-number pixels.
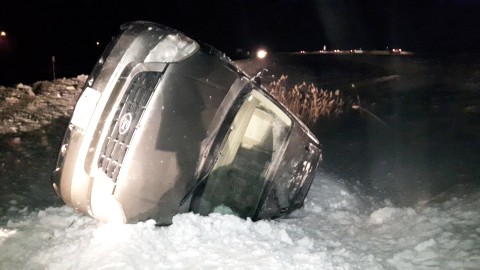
[{"x": 238, "y": 178}]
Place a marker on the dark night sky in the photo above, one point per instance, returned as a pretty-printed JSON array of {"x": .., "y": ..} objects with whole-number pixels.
[{"x": 36, "y": 30}]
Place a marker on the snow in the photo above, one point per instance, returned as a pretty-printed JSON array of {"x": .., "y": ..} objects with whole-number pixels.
[{"x": 340, "y": 227}]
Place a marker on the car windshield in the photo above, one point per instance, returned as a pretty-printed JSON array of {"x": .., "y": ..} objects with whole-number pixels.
[{"x": 246, "y": 159}]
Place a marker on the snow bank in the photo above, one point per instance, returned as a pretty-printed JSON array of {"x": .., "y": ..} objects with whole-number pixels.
[{"x": 339, "y": 228}]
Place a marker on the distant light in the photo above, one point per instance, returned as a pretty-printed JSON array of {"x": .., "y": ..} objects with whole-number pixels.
[
  {"x": 98, "y": 43},
  {"x": 302, "y": 52},
  {"x": 261, "y": 53},
  {"x": 3, "y": 34}
]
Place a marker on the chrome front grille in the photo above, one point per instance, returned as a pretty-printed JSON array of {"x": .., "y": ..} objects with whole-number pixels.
[{"x": 126, "y": 122}]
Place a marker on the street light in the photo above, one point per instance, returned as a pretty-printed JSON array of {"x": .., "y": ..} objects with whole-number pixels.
[
  {"x": 261, "y": 53},
  {"x": 3, "y": 41}
]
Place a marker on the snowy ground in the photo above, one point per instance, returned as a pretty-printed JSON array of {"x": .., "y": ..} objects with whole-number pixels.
[{"x": 339, "y": 228}]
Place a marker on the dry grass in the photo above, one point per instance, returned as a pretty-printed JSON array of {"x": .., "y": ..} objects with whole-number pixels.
[{"x": 307, "y": 101}]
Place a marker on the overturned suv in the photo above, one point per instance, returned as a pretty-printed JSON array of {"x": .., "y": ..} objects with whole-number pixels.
[{"x": 166, "y": 125}]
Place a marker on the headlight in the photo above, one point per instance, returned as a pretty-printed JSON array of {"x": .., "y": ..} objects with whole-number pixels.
[{"x": 172, "y": 48}]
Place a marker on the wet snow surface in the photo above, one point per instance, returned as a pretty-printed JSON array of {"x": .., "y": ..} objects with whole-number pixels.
[
  {"x": 348, "y": 222},
  {"x": 339, "y": 228}
]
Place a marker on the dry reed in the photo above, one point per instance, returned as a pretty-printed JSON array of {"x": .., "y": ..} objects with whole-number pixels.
[{"x": 307, "y": 101}]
